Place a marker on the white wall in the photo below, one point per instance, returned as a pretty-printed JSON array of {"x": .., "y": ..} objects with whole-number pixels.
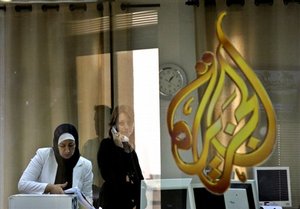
[{"x": 176, "y": 41}]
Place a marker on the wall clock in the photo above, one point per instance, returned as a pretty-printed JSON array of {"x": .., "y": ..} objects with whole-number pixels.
[{"x": 171, "y": 79}]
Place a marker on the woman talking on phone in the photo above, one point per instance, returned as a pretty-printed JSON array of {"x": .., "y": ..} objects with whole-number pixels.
[{"x": 118, "y": 163}]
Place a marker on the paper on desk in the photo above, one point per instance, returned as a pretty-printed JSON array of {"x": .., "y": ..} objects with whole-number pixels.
[{"x": 81, "y": 198}]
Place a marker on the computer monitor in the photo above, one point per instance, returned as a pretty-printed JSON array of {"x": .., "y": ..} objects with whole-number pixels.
[
  {"x": 173, "y": 198},
  {"x": 204, "y": 199},
  {"x": 236, "y": 198},
  {"x": 251, "y": 190},
  {"x": 167, "y": 194},
  {"x": 273, "y": 185},
  {"x": 233, "y": 198}
]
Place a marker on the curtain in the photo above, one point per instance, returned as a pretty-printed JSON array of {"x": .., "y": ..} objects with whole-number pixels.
[
  {"x": 2, "y": 119},
  {"x": 267, "y": 37},
  {"x": 53, "y": 70}
]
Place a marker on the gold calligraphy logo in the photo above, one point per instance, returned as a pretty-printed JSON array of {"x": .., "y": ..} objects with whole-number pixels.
[{"x": 228, "y": 118}]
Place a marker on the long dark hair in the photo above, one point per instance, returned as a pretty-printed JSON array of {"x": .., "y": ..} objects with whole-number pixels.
[
  {"x": 65, "y": 166},
  {"x": 115, "y": 116}
]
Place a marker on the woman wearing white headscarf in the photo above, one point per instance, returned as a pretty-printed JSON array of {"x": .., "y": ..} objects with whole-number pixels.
[{"x": 55, "y": 169}]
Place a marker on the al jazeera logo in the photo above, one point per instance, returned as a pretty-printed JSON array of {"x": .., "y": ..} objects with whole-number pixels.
[{"x": 233, "y": 124}]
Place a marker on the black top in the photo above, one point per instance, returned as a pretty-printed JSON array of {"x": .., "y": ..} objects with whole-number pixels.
[{"x": 114, "y": 165}]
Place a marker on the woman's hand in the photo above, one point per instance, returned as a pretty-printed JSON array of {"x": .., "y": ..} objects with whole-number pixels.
[
  {"x": 55, "y": 188},
  {"x": 117, "y": 137}
]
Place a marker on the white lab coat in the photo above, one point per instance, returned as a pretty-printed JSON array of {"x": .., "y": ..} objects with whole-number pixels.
[{"x": 42, "y": 170}]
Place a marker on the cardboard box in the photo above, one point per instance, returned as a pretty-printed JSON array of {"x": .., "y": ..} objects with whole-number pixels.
[{"x": 45, "y": 201}]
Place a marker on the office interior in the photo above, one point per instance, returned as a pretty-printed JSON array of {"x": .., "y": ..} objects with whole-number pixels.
[{"x": 72, "y": 61}]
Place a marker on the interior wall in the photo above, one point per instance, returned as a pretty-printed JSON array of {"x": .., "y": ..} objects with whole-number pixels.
[{"x": 176, "y": 41}]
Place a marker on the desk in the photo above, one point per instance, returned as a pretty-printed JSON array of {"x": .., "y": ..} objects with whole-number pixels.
[
  {"x": 270, "y": 207},
  {"x": 45, "y": 201}
]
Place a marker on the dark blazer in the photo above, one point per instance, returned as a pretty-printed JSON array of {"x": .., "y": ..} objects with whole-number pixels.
[{"x": 114, "y": 165}]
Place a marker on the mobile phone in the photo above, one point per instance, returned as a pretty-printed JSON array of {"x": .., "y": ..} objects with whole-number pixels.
[{"x": 114, "y": 130}]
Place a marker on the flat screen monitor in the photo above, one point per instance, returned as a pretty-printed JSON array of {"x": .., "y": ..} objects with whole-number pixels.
[
  {"x": 167, "y": 194},
  {"x": 273, "y": 185},
  {"x": 236, "y": 198},
  {"x": 251, "y": 190},
  {"x": 233, "y": 198},
  {"x": 173, "y": 199},
  {"x": 207, "y": 200}
]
